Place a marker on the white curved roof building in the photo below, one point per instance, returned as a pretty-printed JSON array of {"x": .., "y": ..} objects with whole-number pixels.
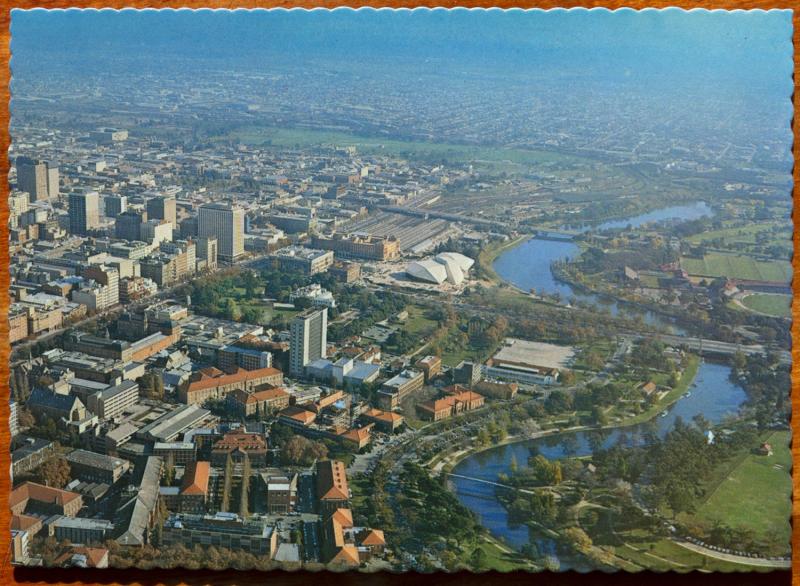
[
  {"x": 447, "y": 266},
  {"x": 427, "y": 270}
]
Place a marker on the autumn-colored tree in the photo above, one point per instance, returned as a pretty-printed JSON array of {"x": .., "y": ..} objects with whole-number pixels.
[{"x": 54, "y": 472}]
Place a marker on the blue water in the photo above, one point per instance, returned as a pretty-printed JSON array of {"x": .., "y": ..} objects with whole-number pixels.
[
  {"x": 713, "y": 395},
  {"x": 527, "y": 265},
  {"x": 684, "y": 213}
]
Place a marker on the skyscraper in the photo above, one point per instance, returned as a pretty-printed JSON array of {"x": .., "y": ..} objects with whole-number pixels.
[
  {"x": 163, "y": 208},
  {"x": 84, "y": 212},
  {"x": 226, "y": 223},
  {"x": 309, "y": 339},
  {"x": 37, "y": 178},
  {"x": 115, "y": 205},
  {"x": 207, "y": 250},
  {"x": 128, "y": 224}
]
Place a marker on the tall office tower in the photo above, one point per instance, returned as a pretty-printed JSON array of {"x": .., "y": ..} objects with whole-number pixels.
[
  {"x": 115, "y": 205},
  {"x": 155, "y": 231},
  {"x": 107, "y": 276},
  {"x": 207, "y": 251},
  {"x": 225, "y": 222},
  {"x": 163, "y": 208},
  {"x": 17, "y": 205},
  {"x": 309, "y": 339},
  {"x": 128, "y": 225},
  {"x": 84, "y": 212},
  {"x": 38, "y": 178}
]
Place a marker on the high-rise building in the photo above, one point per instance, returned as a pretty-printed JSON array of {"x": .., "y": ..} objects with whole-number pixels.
[
  {"x": 309, "y": 339},
  {"x": 84, "y": 212},
  {"x": 163, "y": 208},
  {"x": 17, "y": 205},
  {"x": 155, "y": 232},
  {"x": 114, "y": 205},
  {"x": 37, "y": 178},
  {"x": 128, "y": 225},
  {"x": 225, "y": 222},
  {"x": 207, "y": 251}
]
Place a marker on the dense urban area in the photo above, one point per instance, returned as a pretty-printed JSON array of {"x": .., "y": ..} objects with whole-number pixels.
[{"x": 281, "y": 317}]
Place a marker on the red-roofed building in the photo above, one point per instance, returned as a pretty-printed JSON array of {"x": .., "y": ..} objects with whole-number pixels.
[
  {"x": 194, "y": 488},
  {"x": 332, "y": 490},
  {"x": 32, "y": 497},
  {"x": 83, "y": 557},
  {"x": 212, "y": 383},
  {"x": 457, "y": 402},
  {"x": 260, "y": 402},
  {"x": 237, "y": 444},
  {"x": 387, "y": 421},
  {"x": 297, "y": 417}
]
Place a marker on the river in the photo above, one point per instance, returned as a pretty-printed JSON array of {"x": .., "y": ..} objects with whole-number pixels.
[
  {"x": 712, "y": 394},
  {"x": 527, "y": 265}
]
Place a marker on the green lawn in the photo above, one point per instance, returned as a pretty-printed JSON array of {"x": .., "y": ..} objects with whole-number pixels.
[
  {"x": 744, "y": 234},
  {"x": 298, "y": 137},
  {"x": 737, "y": 267},
  {"x": 418, "y": 323},
  {"x": 667, "y": 555},
  {"x": 498, "y": 560},
  {"x": 777, "y": 305},
  {"x": 756, "y": 494},
  {"x": 683, "y": 384}
]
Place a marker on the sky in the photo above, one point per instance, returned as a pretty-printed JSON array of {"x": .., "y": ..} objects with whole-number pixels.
[{"x": 749, "y": 48}]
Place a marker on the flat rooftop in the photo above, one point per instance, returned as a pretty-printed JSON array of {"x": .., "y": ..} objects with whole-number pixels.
[{"x": 529, "y": 353}]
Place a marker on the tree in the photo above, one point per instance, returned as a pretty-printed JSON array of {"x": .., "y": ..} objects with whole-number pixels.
[
  {"x": 243, "y": 499},
  {"x": 227, "y": 483},
  {"x": 599, "y": 416},
  {"x": 54, "y": 472},
  {"x": 169, "y": 469},
  {"x": 478, "y": 559},
  {"x": 25, "y": 417},
  {"x": 231, "y": 310}
]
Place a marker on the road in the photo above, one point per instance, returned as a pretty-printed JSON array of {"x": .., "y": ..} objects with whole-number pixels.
[{"x": 736, "y": 559}]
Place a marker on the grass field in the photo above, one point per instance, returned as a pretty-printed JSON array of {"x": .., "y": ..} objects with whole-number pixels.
[
  {"x": 777, "y": 305},
  {"x": 298, "y": 137},
  {"x": 737, "y": 267},
  {"x": 497, "y": 559},
  {"x": 756, "y": 494},
  {"x": 418, "y": 323},
  {"x": 746, "y": 234},
  {"x": 663, "y": 555}
]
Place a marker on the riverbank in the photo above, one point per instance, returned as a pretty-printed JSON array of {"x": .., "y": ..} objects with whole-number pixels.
[
  {"x": 562, "y": 276},
  {"x": 489, "y": 254},
  {"x": 445, "y": 464}
]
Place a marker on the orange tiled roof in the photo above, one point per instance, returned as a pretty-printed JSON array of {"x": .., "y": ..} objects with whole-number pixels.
[
  {"x": 374, "y": 537},
  {"x": 299, "y": 414},
  {"x": 438, "y": 405},
  {"x": 347, "y": 556},
  {"x": 240, "y": 376},
  {"x": 344, "y": 517},
  {"x": 388, "y": 416},
  {"x": 195, "y": 479},
  {"x": 268, "y": 395},
  {"x": 24, "y": 522},
  {"x": 331, "y": 481},
  {"x": 94, "y": 555},
  {"x": 39, "y": 492},
  {"x": 357, "y": 435},
  {"x": 468, "y": 396},
  {"x": 241, "y": 440}
]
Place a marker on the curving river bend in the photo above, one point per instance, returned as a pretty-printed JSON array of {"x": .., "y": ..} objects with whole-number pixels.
[{"x": 712, "y": 394}]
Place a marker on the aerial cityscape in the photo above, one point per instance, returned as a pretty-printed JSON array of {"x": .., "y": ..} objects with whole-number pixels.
[{"x": 416, "y": 290}]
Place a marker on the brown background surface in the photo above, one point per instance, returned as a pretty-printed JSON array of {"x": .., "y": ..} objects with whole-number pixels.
[{"x": 9, "y": 575}]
